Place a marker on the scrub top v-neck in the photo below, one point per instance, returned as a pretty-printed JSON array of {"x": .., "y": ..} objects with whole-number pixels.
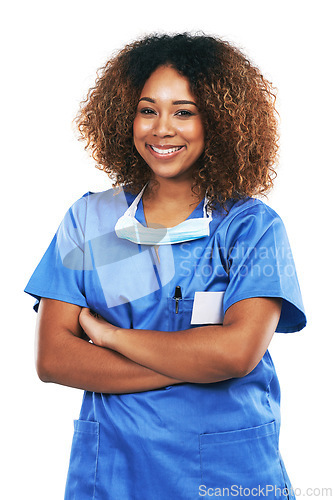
[{"x": 178, "y": 441}]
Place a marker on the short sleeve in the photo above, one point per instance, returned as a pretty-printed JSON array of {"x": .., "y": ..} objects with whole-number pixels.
[
  {"x": 60, "y": 273},
  {"x": 260, "y": 264}
]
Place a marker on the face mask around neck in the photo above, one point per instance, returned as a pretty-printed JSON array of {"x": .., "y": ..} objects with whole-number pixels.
[{"x": 129, "y": 228}]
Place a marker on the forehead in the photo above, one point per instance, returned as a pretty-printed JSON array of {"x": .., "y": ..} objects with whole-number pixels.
[{"x": 166, "y": 83}]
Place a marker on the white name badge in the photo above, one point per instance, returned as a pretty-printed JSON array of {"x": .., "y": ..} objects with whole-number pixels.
[{"x": 207, "y": 308}]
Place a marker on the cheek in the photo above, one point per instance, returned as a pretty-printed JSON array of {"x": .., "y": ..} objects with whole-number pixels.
[
  {"x": 194, "y": 130},
  {"x": 138, "y": 133},
  {"x": 196, "y": 135},
  {"x": 141, "y": 127},
  {"x": 136, "y": 129}
]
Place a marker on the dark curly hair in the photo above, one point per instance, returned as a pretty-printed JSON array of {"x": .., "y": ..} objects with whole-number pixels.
[{"x": 236, "y": 102}]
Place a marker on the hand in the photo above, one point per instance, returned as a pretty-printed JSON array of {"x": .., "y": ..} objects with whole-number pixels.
[{"x": 96, "y": 328}]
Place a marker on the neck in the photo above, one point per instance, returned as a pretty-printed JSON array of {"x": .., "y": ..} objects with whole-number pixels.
[{"x": 172, "y": 192}]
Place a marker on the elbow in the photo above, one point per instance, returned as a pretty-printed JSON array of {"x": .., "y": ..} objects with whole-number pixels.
[
  {"x": 49, "y": 358},
  {"x": 42, "y": 373},
  {"x": 235, "y": 366},
  {"x": 241, "y": 372},
  {"x": 43, "y": 369},
  {"x": 225, "y": 369},
  {"x": 243, "y": 366}
]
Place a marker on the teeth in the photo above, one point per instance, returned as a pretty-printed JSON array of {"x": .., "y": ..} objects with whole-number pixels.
[{"x": 165, "y": 151}]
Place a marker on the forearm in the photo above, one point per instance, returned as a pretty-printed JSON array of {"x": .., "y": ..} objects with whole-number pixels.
[
  {"x": 190, "y": 355},
  {"x": 77, "y": 363},
  {"x": 200, "y": 355}
]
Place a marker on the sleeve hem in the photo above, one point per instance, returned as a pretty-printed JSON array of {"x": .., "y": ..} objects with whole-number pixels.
[
  {"x": 296, "y": 327},
  {"x": 56, "y": 296}
]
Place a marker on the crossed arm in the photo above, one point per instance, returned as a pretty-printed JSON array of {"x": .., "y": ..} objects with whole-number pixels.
[{"x": 125, "y": 360}]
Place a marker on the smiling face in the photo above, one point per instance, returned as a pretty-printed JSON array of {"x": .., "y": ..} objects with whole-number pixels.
[{"x": 168, "y": 132}]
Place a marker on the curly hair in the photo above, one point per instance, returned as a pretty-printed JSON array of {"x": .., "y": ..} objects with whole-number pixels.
[{"x": 236, "y": 102}]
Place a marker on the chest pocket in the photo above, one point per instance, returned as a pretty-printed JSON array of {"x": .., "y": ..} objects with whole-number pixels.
[
  {"x": 205, "y": 309},
  {"x": 179, "y": 312}
]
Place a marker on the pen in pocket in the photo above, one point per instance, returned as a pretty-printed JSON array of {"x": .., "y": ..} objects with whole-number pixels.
[{"x": 177, "y": 297}]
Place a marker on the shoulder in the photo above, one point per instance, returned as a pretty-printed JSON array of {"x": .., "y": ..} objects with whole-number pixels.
[
  {"x": 91, "y": 197},
  {"x": 97, "y": 213},
  {"x": 251, "y": 211},
  {"x": 249, "y": 218},
  {"x": 107, "y": 199},
  {"x": 250, "y": 207}
]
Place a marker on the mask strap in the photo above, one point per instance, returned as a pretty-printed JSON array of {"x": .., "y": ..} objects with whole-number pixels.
[
  {"x": 207, "y": 210},
  {"x": 130, "y": 212}
]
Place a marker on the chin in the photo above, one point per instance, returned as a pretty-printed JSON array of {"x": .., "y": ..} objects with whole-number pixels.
[{"x": 170, "y": 173}]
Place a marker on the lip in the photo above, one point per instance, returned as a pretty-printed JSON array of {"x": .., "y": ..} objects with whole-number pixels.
[{"x": 165, "y": 156}]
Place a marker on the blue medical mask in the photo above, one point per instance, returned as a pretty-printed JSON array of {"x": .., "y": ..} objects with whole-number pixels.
[{"x": 129, "y": 228}]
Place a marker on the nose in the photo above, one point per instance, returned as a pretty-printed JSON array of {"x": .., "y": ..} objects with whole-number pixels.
[{"x": 163, "y": 126}]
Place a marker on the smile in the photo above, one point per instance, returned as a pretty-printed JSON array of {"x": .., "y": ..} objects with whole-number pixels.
[{"x": 169, "y": 152}]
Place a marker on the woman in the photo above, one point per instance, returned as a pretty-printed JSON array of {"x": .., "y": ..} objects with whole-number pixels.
[{"x": 178, "y": 276}]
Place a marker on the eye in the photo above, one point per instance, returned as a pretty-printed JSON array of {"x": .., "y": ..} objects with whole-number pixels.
[
  {"x": 184, "y": 113},
  {"x": 146, "y": 111}
]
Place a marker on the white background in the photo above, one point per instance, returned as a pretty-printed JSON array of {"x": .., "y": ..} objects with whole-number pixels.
[{"x": 51, "y": 51}]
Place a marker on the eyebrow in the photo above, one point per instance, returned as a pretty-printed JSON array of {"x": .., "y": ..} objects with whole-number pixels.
[{"x": 175, "y": 103}]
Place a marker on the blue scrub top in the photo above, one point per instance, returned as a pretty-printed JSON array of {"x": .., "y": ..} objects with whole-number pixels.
[{"x": 190, "y": 440}]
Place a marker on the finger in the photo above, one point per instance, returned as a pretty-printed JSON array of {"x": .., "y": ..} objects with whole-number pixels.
[
  {"x": 88, "y": 313},
  {"x": 85, "y": 310}
]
